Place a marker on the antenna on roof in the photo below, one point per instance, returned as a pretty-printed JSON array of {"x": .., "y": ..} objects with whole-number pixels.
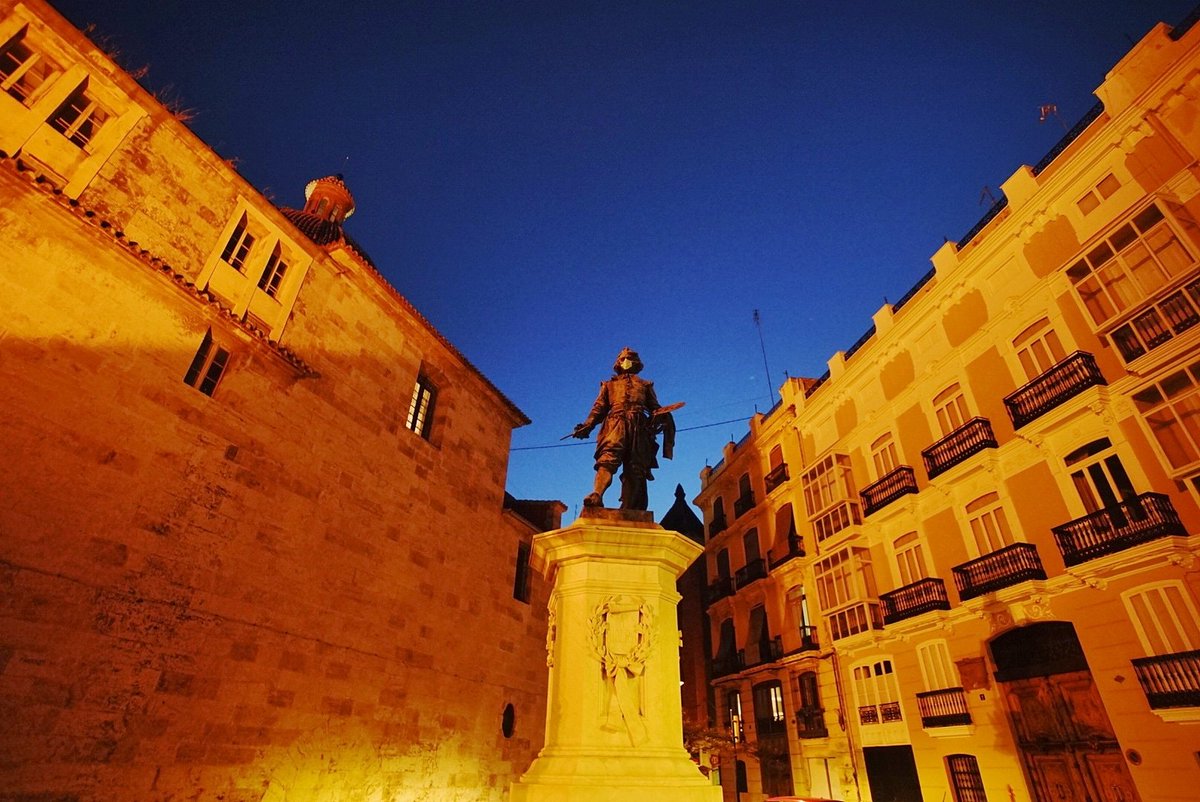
[
  {"x": 986, "y": 195},
  {"x": 762, "y": 345},
  {"x": 1048, "y": 110}
]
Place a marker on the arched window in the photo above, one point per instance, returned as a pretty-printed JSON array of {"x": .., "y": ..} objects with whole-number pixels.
[
  {"x": 988, "y": 524},
  {"x": 1038, "y": 349},
  {"x": 950, "y": 408}
]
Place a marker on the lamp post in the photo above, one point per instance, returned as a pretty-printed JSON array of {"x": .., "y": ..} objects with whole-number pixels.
[{"x": 735, "y": 730}]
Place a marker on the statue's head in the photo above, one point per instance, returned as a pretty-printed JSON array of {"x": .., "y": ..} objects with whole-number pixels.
[{"x": 628, "y": 361}]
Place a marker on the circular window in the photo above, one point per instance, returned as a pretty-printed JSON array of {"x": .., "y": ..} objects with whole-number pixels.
[{"x": 508, "y": 720}]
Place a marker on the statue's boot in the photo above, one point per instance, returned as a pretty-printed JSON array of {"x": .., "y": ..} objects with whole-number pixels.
[{"x": 604, "y": 478}]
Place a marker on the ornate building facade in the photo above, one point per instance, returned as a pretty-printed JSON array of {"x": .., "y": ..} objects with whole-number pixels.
[
  {"x": 961, "y": 565},
  {"x": 254, "y": 538}
]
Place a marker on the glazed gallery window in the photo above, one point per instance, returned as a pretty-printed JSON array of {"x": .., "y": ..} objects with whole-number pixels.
[
  {"x": 1129, "y": 265},
  {"x": 950, "y": 409},
  {"x": 237, "y": 248},
  {"x": 965, "y": 779},
  {"x": 24, "y": 71},
  {"x": 830, "y": 497},
  {"x": 79, "y": 118},
  {"x": 1171, "y": 408},
  {"x": 1164, "y": 617},
  {"x": 988, "y": 524},
  {"x": 1098, "y": 476},
  {"x": 208, "y": 366},
  {"x": 420, "y": 409},
  {"x": 1038, "y": 349}
]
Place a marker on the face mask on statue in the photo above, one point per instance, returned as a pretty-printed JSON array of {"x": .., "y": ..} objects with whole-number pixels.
[{"x": 626, "y": 363}]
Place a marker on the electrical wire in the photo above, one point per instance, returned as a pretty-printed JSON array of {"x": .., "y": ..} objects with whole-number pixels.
[{"x": 588, "y": 442}]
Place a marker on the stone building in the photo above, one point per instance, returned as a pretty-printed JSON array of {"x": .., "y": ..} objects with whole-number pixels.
[
  {"x": 254, "y": 538},
  {"x": 961, "y": 565}
]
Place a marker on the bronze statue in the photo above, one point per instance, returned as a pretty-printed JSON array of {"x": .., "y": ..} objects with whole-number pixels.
[{"x": 630, "y": 418}]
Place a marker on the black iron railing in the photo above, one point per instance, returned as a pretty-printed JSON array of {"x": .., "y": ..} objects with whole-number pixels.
[
  {"x": 817, "y": 384},
  {"x": 810, "y": 723},
  {"x": 728, "y": 664},
  {"x": 1122, "y": 526},
  {"x": 718, "y": 589},
  {"x": 777, "y": 476},
  {"x": 717, "y": 526},
  {"x": 1061, "y": 383},
  {"x": 751, "y": 572},
  {"x": 795, "y": 548},
  {"x": 919, "y": 597},
  {"x": 988, "y": 217},
  {"x": 743, "y": 505},
  {"x": 894, "y": 485},
  {"x": 1170, "y": 680},
  {"x": 1088, "y": 118},
  {"x": 913, "y": 290},
  {"x": 875, "y": 714},
  {"x": 1009, "y": 566},
  {"x": 808, "y": 639},
  {"x": 766, "y": 651},
  {"x": 943, "y": 708},
  {"x": 972, "y": 437},
  {"x": 868, "y": 714}
]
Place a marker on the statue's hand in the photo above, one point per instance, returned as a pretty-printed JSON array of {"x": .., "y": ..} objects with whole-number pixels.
[{"x": 581, "y": 431}]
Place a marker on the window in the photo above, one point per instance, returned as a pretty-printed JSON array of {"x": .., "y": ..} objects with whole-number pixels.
[
  {"x": 950, "y": 409},
  {"x": 910, "y": 558},
  {"x": 420, "y": 410},
  {"x": 1105, "y": 189},
  {"x": 207, "y": 366},
  {"x": 846, "y": 589},
  {"x": 521, "y": 581},
  {"x": 769, "y": 716},
  {"x": 723, "y": 563},
  {"x": 1137, "y": 259},
  {"x": 760, "y": 636},
  {"x": 785, "y": 527},
  {"x": 717, "y": 523},
  {"x": 830, "y": 497},
  {"x": 1171, "y": 408},
  {"x": 750, "y": 546},
  {"x": 237, "y": 249},
  {"x": 936, "y": 667},
  {"x": 877, "y": 693},
  {"x": 775, "y": 458},
  {"x": 798, "y": 602},
  {"x": 1164, "y": 617},
  {"x": 733, "y": 708},
  {"x": 79, "y": 118},
  {"x": 883, "y": 454},
  {"x": 24, "y": 71},
  {"x": 1038, "y": 349},
  {"x": 1098, "y": 476},
  {"x": 273, "y": 275},
  {"x": 988, "y": 524},
  {"x": 965, "y": 779},
  {"x": 806, "y": 690}
]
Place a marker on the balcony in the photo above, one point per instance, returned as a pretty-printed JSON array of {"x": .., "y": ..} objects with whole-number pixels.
[
  {"x": 896, "y": 484},
  {"x": 912, "y": 600},
  {"x": 944, "y": 708},
  {"x": 881, "y": 713},
  {"x": 1009, "y": 566},
  {"x": 777, "y": 476},
  {"x": 972, "y": 437},
  {"x": 1160, "y": 323},
  {"x": 795, "y": 548},
  {"x": 1061, "y": 383},
  {"x": 717, "y": 526},
  {"x": 808, "y": 639},
  {"x": 1112, "y": 529},
  {"x": 743, "y": 505},
  {"x": 767, "y": 651},
  {"x": 810, "y": 723},
  {"x": 1170, "y": 680},
  {"x": 728, "y": 664},
  {"x": 718, "y": 589},
  {"x": 751, "y": 572}
]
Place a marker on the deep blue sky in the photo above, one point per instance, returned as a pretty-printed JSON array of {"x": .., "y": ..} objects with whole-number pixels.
[{"x": 551, "y": 181}]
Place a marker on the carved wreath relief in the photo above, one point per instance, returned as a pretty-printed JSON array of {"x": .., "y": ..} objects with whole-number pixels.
[
  {"x": 622, "y": 635},
  {"x": 551, "y": 629}
]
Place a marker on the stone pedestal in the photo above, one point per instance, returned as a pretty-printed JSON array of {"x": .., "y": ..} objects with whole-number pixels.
[{"x": 613, "y": 719}]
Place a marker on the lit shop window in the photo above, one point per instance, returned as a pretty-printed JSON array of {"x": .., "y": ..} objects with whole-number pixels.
[{"x": 420, "y": 409}]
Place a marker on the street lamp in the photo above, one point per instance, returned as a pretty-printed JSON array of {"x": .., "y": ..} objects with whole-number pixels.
[{"x": 735, "y": 730}]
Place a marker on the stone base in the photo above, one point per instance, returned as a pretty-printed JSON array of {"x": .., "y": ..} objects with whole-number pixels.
[
  {"x": 653, "y": 775},
  {"x": 609, "y": 515}
]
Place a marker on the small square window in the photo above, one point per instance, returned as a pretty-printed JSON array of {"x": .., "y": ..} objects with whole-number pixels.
[
  {"x": 237, "y": 249},
  {"x": 273, "y": 275},
  {"x": 207, "y": 366},
  {"x": 1088, "y": 202},
  {"x": 1108, "y": 186},
  {"x": 420, "y": 410}
]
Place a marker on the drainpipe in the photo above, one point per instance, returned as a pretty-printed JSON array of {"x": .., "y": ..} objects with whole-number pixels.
[{"x": 847, "y": 727}]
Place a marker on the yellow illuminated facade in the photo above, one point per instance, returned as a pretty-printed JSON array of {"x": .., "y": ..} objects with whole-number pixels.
[
  {"x": 254, "y": 538},
  {"x": 961, "y": 565}
]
